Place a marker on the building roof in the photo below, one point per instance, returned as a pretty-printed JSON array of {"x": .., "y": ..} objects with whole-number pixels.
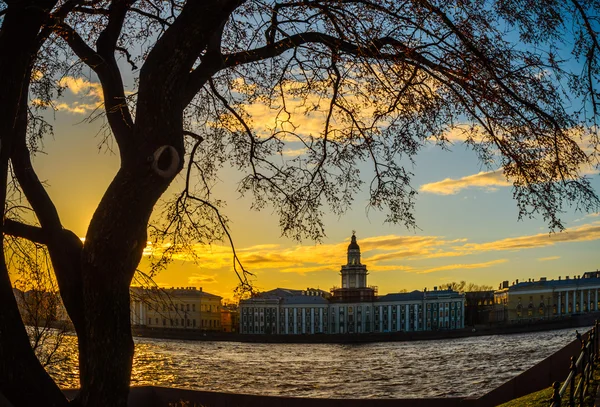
[
  {"x": 305, "y": 299},
  {"x": 353, "y": 244},
  {"x": 589, "y": 278},
  {"x": 418, "y": 295}
]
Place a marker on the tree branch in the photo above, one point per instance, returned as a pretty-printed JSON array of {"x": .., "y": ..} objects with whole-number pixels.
[
  {"x": 29, "y": 232},
  {"x": 104, "y": 63}
]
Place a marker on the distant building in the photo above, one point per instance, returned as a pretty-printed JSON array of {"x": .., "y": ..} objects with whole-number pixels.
[
  {"x": 353, "y": 308},
  {"x": 544, "y": 299},
  {"x": 479, "y": 307},
  {"x": 37, "y": 307},
  {"x": 180, "y": 308},
  {"x": 230, "y": 318}
]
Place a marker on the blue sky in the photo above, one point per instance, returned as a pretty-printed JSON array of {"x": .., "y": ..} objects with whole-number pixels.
[{"x": 467, "y": 225}]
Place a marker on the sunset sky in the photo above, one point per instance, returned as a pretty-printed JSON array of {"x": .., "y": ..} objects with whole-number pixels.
[{"x": 467, "y": 221}]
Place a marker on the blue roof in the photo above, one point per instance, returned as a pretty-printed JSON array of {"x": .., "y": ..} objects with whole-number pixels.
[
  {"x": 556, "y": 283},
  {"x": 418, "y": 295},
  {"x": 305, "y": 299}
]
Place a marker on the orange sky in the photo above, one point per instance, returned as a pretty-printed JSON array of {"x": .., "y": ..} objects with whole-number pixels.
[{"x": 468, "y": 228}]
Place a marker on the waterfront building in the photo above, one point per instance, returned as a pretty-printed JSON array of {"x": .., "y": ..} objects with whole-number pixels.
[
  {"x": 353, "y": 308},
  {"x": 479, "y": 307},
  {"x": 179, "y": 308},
  {"x": 546, "y": 299},
  {"x": 230, "y": 317}
]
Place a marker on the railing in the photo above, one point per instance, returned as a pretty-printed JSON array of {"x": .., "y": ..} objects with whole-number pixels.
[{"x": 580, "y": 372}]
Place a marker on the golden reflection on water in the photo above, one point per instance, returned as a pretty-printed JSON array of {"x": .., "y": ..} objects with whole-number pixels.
[{"x": 454, "y": 367}]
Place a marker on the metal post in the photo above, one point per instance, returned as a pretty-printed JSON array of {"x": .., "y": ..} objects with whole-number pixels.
[
  {"x": 593, "y": 351},
  {"x": 582, "y": 380},
  {"x": 597, "y": 327},
  {"x": 555, "y": 395},
  {"x": 573, "y": 369}
]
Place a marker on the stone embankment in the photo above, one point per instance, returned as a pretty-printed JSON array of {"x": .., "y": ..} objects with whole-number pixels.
[{"x": 495, "y": 329}]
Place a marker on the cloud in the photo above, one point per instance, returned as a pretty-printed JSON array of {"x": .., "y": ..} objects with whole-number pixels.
[
  {"x": 380, "y": 253},
  {"x": 490, "y": 181},
  {"x": 89, "y": 94},
  {"x": 82, "y": 87},
  {"x": 549, "y": 258},
  {"x": 464, "y": 266},
  {"x": 586, "y": 232},
  {"x": 199, "y": 279}
]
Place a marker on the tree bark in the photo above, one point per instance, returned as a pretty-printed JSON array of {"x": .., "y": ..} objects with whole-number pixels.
[{"x": 23, "y": 381}]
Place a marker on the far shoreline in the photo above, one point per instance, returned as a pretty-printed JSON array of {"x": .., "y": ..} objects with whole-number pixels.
[{"x": 575, "y": 321}]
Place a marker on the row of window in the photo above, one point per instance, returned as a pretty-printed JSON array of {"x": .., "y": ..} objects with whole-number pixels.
[
  {"x": 204, "y": 323},
  {"x": 341, "y": 310}
]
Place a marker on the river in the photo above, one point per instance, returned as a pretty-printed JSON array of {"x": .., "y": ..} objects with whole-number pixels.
[{"x": 440, "y": 368}]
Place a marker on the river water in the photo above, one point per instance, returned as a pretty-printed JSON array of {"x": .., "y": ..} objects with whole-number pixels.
[{"x": 440, "y": 368}]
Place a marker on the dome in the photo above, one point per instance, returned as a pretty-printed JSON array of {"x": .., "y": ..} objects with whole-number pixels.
[{"x": 353, "y": 244}]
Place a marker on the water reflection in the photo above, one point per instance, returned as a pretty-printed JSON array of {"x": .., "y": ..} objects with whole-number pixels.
[{"x": 454, "y": 367}]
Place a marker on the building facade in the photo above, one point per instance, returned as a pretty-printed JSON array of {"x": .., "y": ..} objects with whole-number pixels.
[
  {"x": 179, "y": 308},
  {"x": 479, "y": 307},
  {"x": 352, "y": 309},
  {"x": 545, "y": 299}
]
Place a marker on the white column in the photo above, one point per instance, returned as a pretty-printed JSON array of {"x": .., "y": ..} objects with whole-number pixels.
[
  {"x": 581, "y": 300},
  {"x": 406, "y": 316},
  {"x": 589, "y": 307},
  {"x": 320, "y": 319},
  {"x": 559, "y": 303},
  {"x": 596, "y": 299},
  {"x": 303, "y": 330},
  {"x": 143, "y": 313},
  {"x": 398, "y": 326},
  {"x": 567, "y": 302},
  {"x": 416, "y": 308},
  {"x": 312, "y": 320},
  {"x": 380, "y": 318},
  {"x": 389, "y": 307},
  {"x": 295, "y": 330}
]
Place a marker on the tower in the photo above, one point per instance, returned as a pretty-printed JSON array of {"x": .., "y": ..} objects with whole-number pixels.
[{"x": 354, "y": 274}]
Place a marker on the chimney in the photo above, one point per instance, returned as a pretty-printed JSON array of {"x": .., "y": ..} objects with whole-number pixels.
[
  {"x": 517, "y": 280},
  {"x": 435, "y": 288}
]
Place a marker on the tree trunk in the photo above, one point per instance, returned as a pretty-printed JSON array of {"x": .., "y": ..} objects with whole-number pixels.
[
  {"x": 23, "y": 381},
  {"x": 113, "y": 249}
]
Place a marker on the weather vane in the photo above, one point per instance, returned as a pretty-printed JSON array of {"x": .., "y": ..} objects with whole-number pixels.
[{"x": 353, "y": 232}]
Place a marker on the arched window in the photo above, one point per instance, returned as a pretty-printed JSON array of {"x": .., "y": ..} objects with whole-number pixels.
[{"x": 519, "y": 311}]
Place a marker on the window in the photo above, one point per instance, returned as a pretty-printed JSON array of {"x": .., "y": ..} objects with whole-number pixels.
[
  {"x": 194, "y": 308},
  {"x": 149, "y": 321},
  {"x": 187, "y": 307}
]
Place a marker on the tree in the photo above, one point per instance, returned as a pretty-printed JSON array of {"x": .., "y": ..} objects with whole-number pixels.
[
  {"x": 384, "y": 77},
  {"x": 464, "y": 287}
]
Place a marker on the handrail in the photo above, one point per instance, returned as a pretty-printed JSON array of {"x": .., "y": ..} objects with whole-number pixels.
[{"x": 583, "y": 365}]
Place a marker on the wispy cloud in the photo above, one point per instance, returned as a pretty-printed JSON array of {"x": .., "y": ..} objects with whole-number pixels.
[
  {"x": 489, "y": 181},
  {"x": 467, "y": 266},
  {"x": 89, "y": 94},
  {"x": 380, "y": 253},
  {"x": 200, "y": 279},
  {"x": 549, "y": 258}
]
